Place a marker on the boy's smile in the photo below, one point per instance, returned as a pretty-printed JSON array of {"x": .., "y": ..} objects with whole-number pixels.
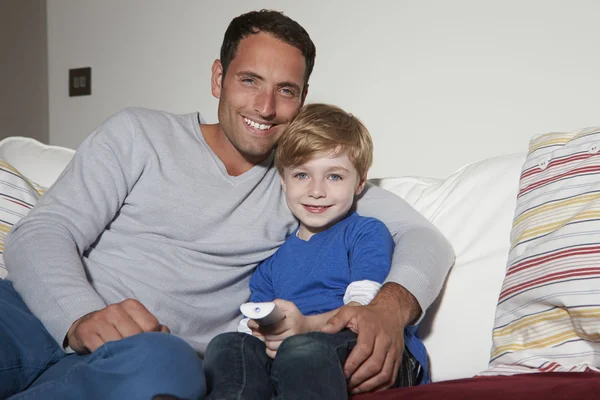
[
  {"x": 321, "y": 191},
  {"x": 316, "y": 209}
]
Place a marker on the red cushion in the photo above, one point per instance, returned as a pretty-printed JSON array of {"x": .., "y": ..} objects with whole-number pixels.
[{"x": 546, "y": 386}]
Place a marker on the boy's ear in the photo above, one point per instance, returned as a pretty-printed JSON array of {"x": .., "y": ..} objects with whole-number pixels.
[
  {"x": 216, "y": 80},
  {"x": 282, "y": 183},
  {"x": 361, "y": 186}
]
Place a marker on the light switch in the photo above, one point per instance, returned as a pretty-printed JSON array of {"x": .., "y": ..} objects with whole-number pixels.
[{"x": 80, "y": 81}]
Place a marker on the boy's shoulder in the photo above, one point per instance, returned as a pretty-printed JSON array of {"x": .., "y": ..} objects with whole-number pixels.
[
  {"x": 357, "y": 223},
  {"x": 355, "y": 218},
  {"x": 366, "y": 231}
]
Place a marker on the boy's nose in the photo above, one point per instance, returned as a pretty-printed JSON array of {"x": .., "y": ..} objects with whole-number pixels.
[{"x": 316, "y": 190}]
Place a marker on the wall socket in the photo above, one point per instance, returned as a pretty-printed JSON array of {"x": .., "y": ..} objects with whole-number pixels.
[{"x": 80, "y": 81}]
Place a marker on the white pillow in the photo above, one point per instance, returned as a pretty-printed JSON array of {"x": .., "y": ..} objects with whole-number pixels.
[
  {"x": 473, "y": 208},
  {"x": 37, "y": 161}
]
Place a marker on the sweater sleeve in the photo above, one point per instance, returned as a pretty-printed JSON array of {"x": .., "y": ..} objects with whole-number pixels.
[
  {"x": 422, "y": 255},
  {"x": 43, "y": 252}
]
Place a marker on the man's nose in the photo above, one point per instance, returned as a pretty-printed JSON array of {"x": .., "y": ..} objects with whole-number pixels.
[{"x": 264, "y": 104}]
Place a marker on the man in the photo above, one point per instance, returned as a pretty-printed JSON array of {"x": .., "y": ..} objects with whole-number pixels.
[{"x": 156, "y": 226}]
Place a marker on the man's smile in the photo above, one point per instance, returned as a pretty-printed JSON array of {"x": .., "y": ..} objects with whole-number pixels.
[{"x": 257, "y": 125}]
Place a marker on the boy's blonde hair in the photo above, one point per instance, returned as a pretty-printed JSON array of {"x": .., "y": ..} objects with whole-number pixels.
[{"x": 324, "y": 128}]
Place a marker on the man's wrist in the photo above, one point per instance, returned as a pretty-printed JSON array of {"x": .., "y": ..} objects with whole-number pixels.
[
  {"x": 65, "y": 343},
  {"x": 395, "y": 297}
]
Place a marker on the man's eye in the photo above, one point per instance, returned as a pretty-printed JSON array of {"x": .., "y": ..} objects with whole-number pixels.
[
  {"x": 301, "y": 175},
  {"x": 248, "y": 81},
  {"x": 288, "y": 92},
  {"x": 335, "y": 177}
]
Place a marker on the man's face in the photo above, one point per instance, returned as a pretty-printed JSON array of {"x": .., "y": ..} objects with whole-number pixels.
[
  {"x": 262, "y": 91},
  {"x": 321, "y": 191}
]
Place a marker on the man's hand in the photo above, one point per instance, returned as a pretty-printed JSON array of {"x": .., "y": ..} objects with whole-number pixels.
[
  {"x": 374, "y": 361},
  {"x": 114, "y": 322}
]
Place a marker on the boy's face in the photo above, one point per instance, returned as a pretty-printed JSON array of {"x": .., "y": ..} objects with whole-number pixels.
[
  {"x": 263, "y": 89},
  {"x": 321, "y": 192}
]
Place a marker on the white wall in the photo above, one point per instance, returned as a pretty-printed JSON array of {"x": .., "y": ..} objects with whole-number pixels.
[{"x": 439, "y": 83}]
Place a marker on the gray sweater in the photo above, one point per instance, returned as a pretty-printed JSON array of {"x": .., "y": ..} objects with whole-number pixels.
[{"x": 146, "y": 210}]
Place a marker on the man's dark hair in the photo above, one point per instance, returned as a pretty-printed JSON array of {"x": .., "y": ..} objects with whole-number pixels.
[{"x": 273, "y": 22}]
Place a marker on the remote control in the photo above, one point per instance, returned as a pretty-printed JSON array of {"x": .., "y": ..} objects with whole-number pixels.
[{"x": 263, "y": 313}]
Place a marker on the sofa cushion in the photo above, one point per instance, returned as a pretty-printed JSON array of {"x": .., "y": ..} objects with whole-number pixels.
[
  {"x": 17, "y": 196},
  {"x": 548, "y": 315},
  {"x": 548, "y": 386},
  {"x": 473, "y": 208},
  {"x": 39, "y": 162}
]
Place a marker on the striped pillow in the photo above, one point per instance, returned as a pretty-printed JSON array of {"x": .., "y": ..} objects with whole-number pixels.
[
  {"x": 548, "y": 313},
  {"x": 17, "y": 196}
]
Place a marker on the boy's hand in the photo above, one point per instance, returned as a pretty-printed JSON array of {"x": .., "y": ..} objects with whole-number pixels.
[
  {"x": 254, "y": 327},
  {"x": 293, "y": 323}
]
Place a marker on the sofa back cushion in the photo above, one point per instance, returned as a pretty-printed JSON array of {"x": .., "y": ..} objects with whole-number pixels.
[
  {"x": 473, "y": 208},
  {"x": 548, "y": 314}
]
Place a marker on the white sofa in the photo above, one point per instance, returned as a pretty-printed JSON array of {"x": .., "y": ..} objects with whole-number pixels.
[{"x": 473, "y": 208}]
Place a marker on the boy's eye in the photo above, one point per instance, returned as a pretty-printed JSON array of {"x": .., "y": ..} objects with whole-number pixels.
[
  {"x": 335, "y": 177},
  {"x": 301, "y": 175}
]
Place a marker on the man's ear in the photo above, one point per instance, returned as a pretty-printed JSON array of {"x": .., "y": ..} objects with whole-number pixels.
[
  {"x": 282, "y": 183},
  {"x": 304, "y": 94},
  {"x": 216, "y": 80},
  {"x": 361, "y": 186}
]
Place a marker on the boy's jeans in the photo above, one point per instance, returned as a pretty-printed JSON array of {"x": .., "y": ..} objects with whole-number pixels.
[
  {"x": 138, "y": 367},
  {"x": 307, "y": 366}
]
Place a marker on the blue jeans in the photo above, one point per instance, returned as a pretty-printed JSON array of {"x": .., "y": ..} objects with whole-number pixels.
[
  {"x": 307, "y": 366},
  {"x": 34, "y": 366}
]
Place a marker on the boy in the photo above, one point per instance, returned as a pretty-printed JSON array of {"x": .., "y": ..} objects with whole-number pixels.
[{"x": 335, "y": 257}]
